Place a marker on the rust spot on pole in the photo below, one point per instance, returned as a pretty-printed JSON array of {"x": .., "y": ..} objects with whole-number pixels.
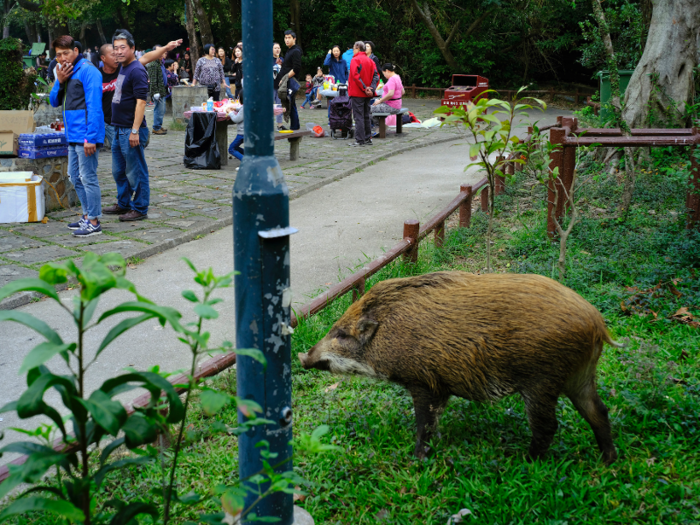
[
  {"x": 358, "y": 289},
  {"x": 411, "y": 230},
  {"x": 465, "y": 208}
]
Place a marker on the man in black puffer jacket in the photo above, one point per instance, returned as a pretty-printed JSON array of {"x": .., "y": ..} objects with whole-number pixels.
[{"x": 291, "y": 68}]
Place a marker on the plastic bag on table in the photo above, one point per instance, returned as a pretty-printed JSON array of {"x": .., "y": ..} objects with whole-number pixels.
[
  {"x": 315, "y": 129},
  {"x": 201, "y": 148}
]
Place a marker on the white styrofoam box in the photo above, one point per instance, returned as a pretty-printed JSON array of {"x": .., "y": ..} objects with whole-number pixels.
[{"x": 21, "y": 197}]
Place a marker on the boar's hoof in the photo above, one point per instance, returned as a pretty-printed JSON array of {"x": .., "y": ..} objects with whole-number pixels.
[
  {"x": 610, "y": 457},
  {"x": 422, "y": 450}
]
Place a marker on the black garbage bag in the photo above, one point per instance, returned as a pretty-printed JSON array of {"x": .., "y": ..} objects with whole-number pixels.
[{"x": 201, "y": 149}]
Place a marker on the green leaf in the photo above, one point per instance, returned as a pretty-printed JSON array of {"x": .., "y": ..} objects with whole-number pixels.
[
  {"x": 139, "y": 430},
  {"x": 162, "y": 312},
  {"x": 42, "y": 353},
  {"x": 190, "y": 296},
  {"x": 474, "y": 150},
  {"x": 110, "y": 448},
  {"x": 107, "y": 413},
  {"x": 127, "y": 514},
  {"x": 154, "y": 384},
  {"x": 28, "y": 285},
  {"x": 253, "y": 353},
  {"x": 213, "y": 401},
  {"x": 120, "y": 328},
  {"x": 117, "y": 465},
  {"x": 232, "y": 503},
  {"x": 206, "y": 311},
  {"x": 31, "y": 401},
  {"x": 62, "y": 508},
  {"x": 55, "y": 273},
  {"x": 31, "y": 322}
]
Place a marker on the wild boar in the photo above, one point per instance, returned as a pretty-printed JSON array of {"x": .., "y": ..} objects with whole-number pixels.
[{"x": 479, "y": 337}]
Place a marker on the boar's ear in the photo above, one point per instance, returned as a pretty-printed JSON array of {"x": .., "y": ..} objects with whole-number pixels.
[{"x": 366, "y": 328}]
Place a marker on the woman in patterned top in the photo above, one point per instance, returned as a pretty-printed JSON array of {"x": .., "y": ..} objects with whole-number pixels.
[{"x": 210, "y": 72}]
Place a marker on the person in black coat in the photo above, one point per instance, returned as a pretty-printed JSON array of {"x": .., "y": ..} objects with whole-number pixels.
[
  {"x": 228, "y": 64},
  {"x": 291, "y": 68},
  {"x": 237, "y": 69},
  {"x": 369, "y": 50}
]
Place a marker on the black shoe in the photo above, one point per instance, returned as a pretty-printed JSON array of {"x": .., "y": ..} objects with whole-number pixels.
[
  {"x": 356, "y": 144},
  {"x": 369, "y": 142},
  {"x": 281, "y": 128}
]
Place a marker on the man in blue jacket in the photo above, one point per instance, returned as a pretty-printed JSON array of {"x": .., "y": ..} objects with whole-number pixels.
[{"x": 78, "y": 89}]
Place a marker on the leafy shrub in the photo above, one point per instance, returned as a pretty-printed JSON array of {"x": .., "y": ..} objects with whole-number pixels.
[{"x": 16, "y": 86}]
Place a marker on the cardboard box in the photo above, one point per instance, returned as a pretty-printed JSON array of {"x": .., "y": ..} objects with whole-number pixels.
[
  {"x": 8, "y": 143},
  {"x": 15, "y": 122},
  {"x": 21, "y": 197}
]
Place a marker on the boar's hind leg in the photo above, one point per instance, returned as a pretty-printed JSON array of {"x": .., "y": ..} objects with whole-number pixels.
[
  {"x": 428, "y": 406},
  {"x": 594, "y": 411},
  {"x": 541, "y": 413}
]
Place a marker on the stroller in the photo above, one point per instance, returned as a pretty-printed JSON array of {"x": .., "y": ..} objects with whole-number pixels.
[{"x": 340, "y": 114}]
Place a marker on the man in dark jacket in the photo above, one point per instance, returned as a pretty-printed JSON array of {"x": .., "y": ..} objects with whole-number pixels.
[
  {"x": 361, "y": 84},
  {"x": 78, "y": 88},
  {"x": 158, "y": 89},
  {"x": 291, "y": 67}
]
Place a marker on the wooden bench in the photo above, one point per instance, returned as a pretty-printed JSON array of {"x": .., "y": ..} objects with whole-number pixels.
[
  {"x": 382, "y": 122},
  {"x": 294, "y": 141}
]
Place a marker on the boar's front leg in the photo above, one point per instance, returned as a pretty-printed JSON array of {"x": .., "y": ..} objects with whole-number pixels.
[{"x": 428, "y": 406}]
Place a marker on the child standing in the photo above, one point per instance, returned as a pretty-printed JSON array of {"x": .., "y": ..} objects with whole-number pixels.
[
  {"x": 309, "y": 91},
  {"x": 237, "y": 117}
]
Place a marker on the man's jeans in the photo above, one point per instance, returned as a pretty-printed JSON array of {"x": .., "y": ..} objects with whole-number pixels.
[
  {"x": 83, "y": 175},
  {"x": 158, "y": 113},
  {"x": 130, "y": 171},
  {"x": 293, "y": 113},
  {"x": 109, "y": 135}
]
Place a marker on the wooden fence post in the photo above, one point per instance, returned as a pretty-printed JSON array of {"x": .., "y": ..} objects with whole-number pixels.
[
  {"x": 693, "y": 199},
  {"x": 465, "y": 209},
  {"x": 411, "y": 230},
  {"x": 556, "y": 136},
  {"x": 358, "y": 290},
  {"x": 413, "y": 91},
  {"x": 485, "y": 199},
  {"x": 500, "y": 181}
]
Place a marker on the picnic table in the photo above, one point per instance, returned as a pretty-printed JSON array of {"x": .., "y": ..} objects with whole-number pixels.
[{"x": 223, "y": 122}]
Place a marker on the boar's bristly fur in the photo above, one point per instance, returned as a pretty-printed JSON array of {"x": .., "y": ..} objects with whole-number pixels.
[{"x": 479, "y": 337}]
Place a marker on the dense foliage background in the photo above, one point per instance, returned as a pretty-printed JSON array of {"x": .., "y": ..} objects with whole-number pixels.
[{"x": 509, "y": 41}]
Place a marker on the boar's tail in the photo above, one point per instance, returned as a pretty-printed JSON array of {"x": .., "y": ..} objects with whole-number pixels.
[{"x": 608, "y": 339}]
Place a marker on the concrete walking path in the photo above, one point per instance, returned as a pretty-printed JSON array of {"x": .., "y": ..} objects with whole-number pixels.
[{"x": 340, "y": 225}]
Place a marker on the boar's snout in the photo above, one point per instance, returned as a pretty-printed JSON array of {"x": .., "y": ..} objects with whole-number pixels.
[{"x": 314, "y": 360}]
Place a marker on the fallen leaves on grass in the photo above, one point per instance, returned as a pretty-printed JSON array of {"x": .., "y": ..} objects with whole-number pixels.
[
  {"x": 332, "y": 387},
  {"x": 685, "y": 317}
]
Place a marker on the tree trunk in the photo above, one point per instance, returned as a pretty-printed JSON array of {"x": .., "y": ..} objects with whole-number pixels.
[
  {"x": 191, "y": 34},
  {"x": 203, "y": 21},
  {"x": 83, "y": 27},
  {"x": 100, "y": 30},
  {"x": 123, "y": 20},
  {"x": 443, "y": 45},
  {"x": 295, "y": 15},
  {"x": 235, "y": 9},
  {"x": 663, "y": 81}
]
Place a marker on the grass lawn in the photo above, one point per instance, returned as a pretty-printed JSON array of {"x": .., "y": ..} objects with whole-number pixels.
[{"x": 639, "y": 273}]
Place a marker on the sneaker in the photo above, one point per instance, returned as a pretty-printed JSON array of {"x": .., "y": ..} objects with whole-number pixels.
[
  {"x": 281, "y": 128},
  {"x": 89, "y": 229},
  {"x": 369, "y": 142},
  {"x": 115, "y": 210},
  {"x": 77, "y": 225},
  {"x": 356, "y": 144},
  {"x": 133, "y": 215},
  {"x": 160, "y": 131}
]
